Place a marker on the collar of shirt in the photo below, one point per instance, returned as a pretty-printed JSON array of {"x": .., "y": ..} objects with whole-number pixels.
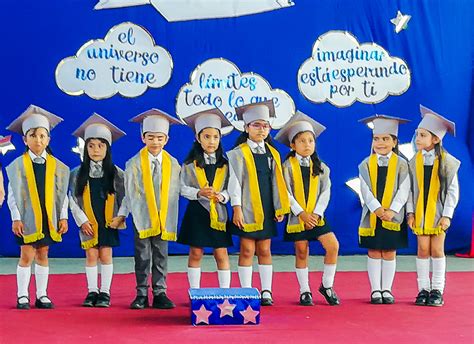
[
  {"x": 428, "y": 157},
  {"x": 388, "y": 156},
  {"x": 152, "y": 157},
  {"x": 207, "y": 156},
  {"x": 428, "y": 153},
  {"x": 299, "y": 157},
  {"x": 253, "y": 145},
  {"x": 33, "y": 155},
  {"x": 92, "y": 168}
]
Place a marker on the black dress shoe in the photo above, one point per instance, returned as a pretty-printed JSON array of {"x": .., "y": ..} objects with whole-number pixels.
[
  {"x": 435, "y": 299},
  {"x": 387, "y": 297},
  {"x": 306, "y": 299},
  {"x": 161, "y": 301},
  {"x": 44, "y": 303},
  {"x": 422, "y": 298},
  {"x": 267, "y": 300},
  {"x": 103, "y": 300},
  {"x": 140, "y": 302},
  {"x": 330, "y": 295},
  {"x": 91, "y": 299},
  {"x": 376, "y": 297},
  {"x": 23, "y": 305}
]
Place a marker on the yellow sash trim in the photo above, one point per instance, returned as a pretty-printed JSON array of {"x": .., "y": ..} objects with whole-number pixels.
[
  {"x": 35, "y": 201},
  {"x": 298, "y": 185},
  {"x": 429, "y": 226},
  {"x": 281, "y": 185},
  {"x": 88, "y": 210},
  {"x": 157, "y": 218},
  {"x": 387, "y": 193},
  {"x": 218, "y": 183}
]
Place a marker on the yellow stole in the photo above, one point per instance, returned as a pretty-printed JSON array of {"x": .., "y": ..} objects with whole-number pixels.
[
  {"x": 428, "y": 227},
  {"x": 109, "y": 214},
  {"x": 218, "y": 183},
  {"x": 157, "y": 218},
  {"x": 307, "y": 205},
  {"x": 387, "y": 193},
  {"x": 257, "y": 207},
  {"x": 35, "y": 201}
]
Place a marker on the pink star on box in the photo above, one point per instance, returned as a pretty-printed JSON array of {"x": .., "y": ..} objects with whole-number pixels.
[
  {"x": 226, "y": 308},
  {"x": 202, "y": 315},
  {"x": 249, "y": 315}
]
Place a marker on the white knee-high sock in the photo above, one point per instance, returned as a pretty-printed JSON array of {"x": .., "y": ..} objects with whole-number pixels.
[
  {"x": 245, "y": 276},
  {"x": 106, "y": 274},
  {"x": 374, "y": 269},
  {"x": 23, "y": 276},
  {"x": 303, "y": 279},
  {"x": 41, "y": 277},
  {"x": 266, "y": 276},
  {"x": 423, "y": 273},
  {"x": 328, "y": 275},
  {"x": 438, "y": 279},
  {"x": 224, "y": 277},
  {"x": 91, "y": 276},
  {"x": 194, "y": 277},
  {"x": 388, "y": 273}
]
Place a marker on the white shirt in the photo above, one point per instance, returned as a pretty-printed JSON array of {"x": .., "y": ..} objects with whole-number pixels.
[
  {"x": 321, "y": 203},
  {"x": 15, "y": 213},
  {"x": 92, "y": 169},
  {"x": 398, "y": 201}
]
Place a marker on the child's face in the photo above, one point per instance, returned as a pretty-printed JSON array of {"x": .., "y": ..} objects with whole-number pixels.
[
  {"x": 155, "y": 142},
  {"x": 383, "y": 143},
  {"x": 258, "y": 130},
  {"x": 304, "y": 144},
  {"x": 209, "y": 139},
  {"x": 96, "y": 150},
  {"x": 37, "y": 139},
  {"x": 425, "y": 140}
]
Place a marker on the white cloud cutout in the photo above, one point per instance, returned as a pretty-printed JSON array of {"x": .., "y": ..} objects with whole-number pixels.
[
  {"x": 342, "y": 71},
  {"x": 219, "y": 83},
  {"x": 103, "y": 4},
  {"x": 127, "y": 62}
]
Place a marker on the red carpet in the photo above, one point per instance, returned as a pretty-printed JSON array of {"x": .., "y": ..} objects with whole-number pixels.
[{"x": 354, "y": 321}]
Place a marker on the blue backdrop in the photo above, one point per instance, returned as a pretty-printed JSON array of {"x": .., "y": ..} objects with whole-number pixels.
[{"x": 437, "y": 46}]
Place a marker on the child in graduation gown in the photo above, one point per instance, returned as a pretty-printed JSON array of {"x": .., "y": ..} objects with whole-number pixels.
[
  {"x": 307, "y": 180},
  {"x": 152, "y": 195},
  {"x": 37, "y": 198},
  {"x": 385, "y": 187},
  {"x": 204, "y": 178},
  {"x": 435, "y": 195},
  {"x": 96, "y": 191},
  {"x": 258, "y": 194}
]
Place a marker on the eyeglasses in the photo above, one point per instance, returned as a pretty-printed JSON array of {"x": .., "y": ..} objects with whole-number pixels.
[{"x": 265, "y": 126}]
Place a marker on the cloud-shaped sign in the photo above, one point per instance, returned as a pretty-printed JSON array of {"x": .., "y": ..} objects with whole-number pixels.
[
  {"x": 219, "y": 83},
  {"x": 342, "y": 71},
  {"x": 127, "y": 62},
  {"x": 179, "y": 10}
]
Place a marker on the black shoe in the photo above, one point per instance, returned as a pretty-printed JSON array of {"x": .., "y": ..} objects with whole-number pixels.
[
  {"x": 23, "y": 305},
  {"x": 44, "y": 303},
  {"x": 306, "y": 299},
  {"x": 376, "y": 297},
  {"x": 387, "y": 297},
  {"x": 422, "y": 298},
  {"x": 103, "y": 300},
  {"x": 266, "y": 301},
  {"x": 140, "y": 302},
  {"x": 162, "y": 301},
  {"x": 435, "y": 299},
  {"x": 330, "y": 295},
  {"x": 91, "y": 299}
]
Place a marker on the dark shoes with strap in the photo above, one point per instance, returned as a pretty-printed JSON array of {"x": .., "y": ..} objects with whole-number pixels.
[
  {"x": 435, "y": 299},
  {"x": 306, "y": 299},
  {"x": 387, "y": 297},
  {"x": 23, "y": 302},
  {"x": 103, "y": 300},
  {"x": 90, "y": 299},
  {"x": 376, "y": 297},
  {"x": 330, "y": 295},
  {"x": 44, "y": 303},
  {"x": 266, "y": 298},
  {"x": 422, "y": 297}
]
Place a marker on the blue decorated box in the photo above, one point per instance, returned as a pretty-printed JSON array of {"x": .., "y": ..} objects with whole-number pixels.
[{"x": 229, "y": 306}]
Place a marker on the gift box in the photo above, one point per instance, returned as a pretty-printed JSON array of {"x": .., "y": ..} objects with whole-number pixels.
[{"x": 225, "y": 306}]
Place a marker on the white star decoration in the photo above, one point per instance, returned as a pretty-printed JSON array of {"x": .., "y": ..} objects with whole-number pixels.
[
  {"x": 226, "y": 308},
  {"x": 5, "y": 144},
  {"x": 79, "y": 148},
  {"x": 400, "y": 21}
]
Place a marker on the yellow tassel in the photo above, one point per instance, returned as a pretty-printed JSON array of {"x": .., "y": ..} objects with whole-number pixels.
[
  {"x": 365, "y": 232},
  {"x": 392, "y": 226}
]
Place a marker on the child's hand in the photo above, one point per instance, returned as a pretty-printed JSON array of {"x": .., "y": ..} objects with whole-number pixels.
[
  {"x": 207, "y": 191},
  {"x": 379, "y": 212},
  {"x": 17, "y": 228},
  {"x": 87, "y": 228},
  {"x": 308, "y": 219},
  {"x": 238, "y": 217},
  {"x": 62, "y": 226},
  {"x": 388, "y": 215},
  {"x": 218, "y": 198},
  {"x": 117, "y": 222},
  {"x": 444, "y": 223},
  {"x": 279, "y": 218},
  {"x": 411, "y": 220}
]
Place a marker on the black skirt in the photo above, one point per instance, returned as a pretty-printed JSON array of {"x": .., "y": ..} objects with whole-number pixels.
[
  {"x": 385, "y": 239},
  {"x": 264, "y": 175}
]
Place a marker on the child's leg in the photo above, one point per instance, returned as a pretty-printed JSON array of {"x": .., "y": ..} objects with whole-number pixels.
[
  {"x": 389, "y": 267},
  {"x": 223, "y": 267},
  {"x": 23, "y": 272},
  {"x": 439, "y": 262},
  {"x": 301, "y": 265},
  {"x": 265, "y": 266},
  {"x": 92, "y": 256},
  {"x": 423, "y": 262},
  {"x": 247, "y": 251},
  {"x": 142, "y": 264},
  {"x": 194, "y": 266},
  {"x": 331, "y": 246},
  {"x": 106, "y": 269},
  {"x": 374, "y": 269},
  {"x": 41, "y": 271}
]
